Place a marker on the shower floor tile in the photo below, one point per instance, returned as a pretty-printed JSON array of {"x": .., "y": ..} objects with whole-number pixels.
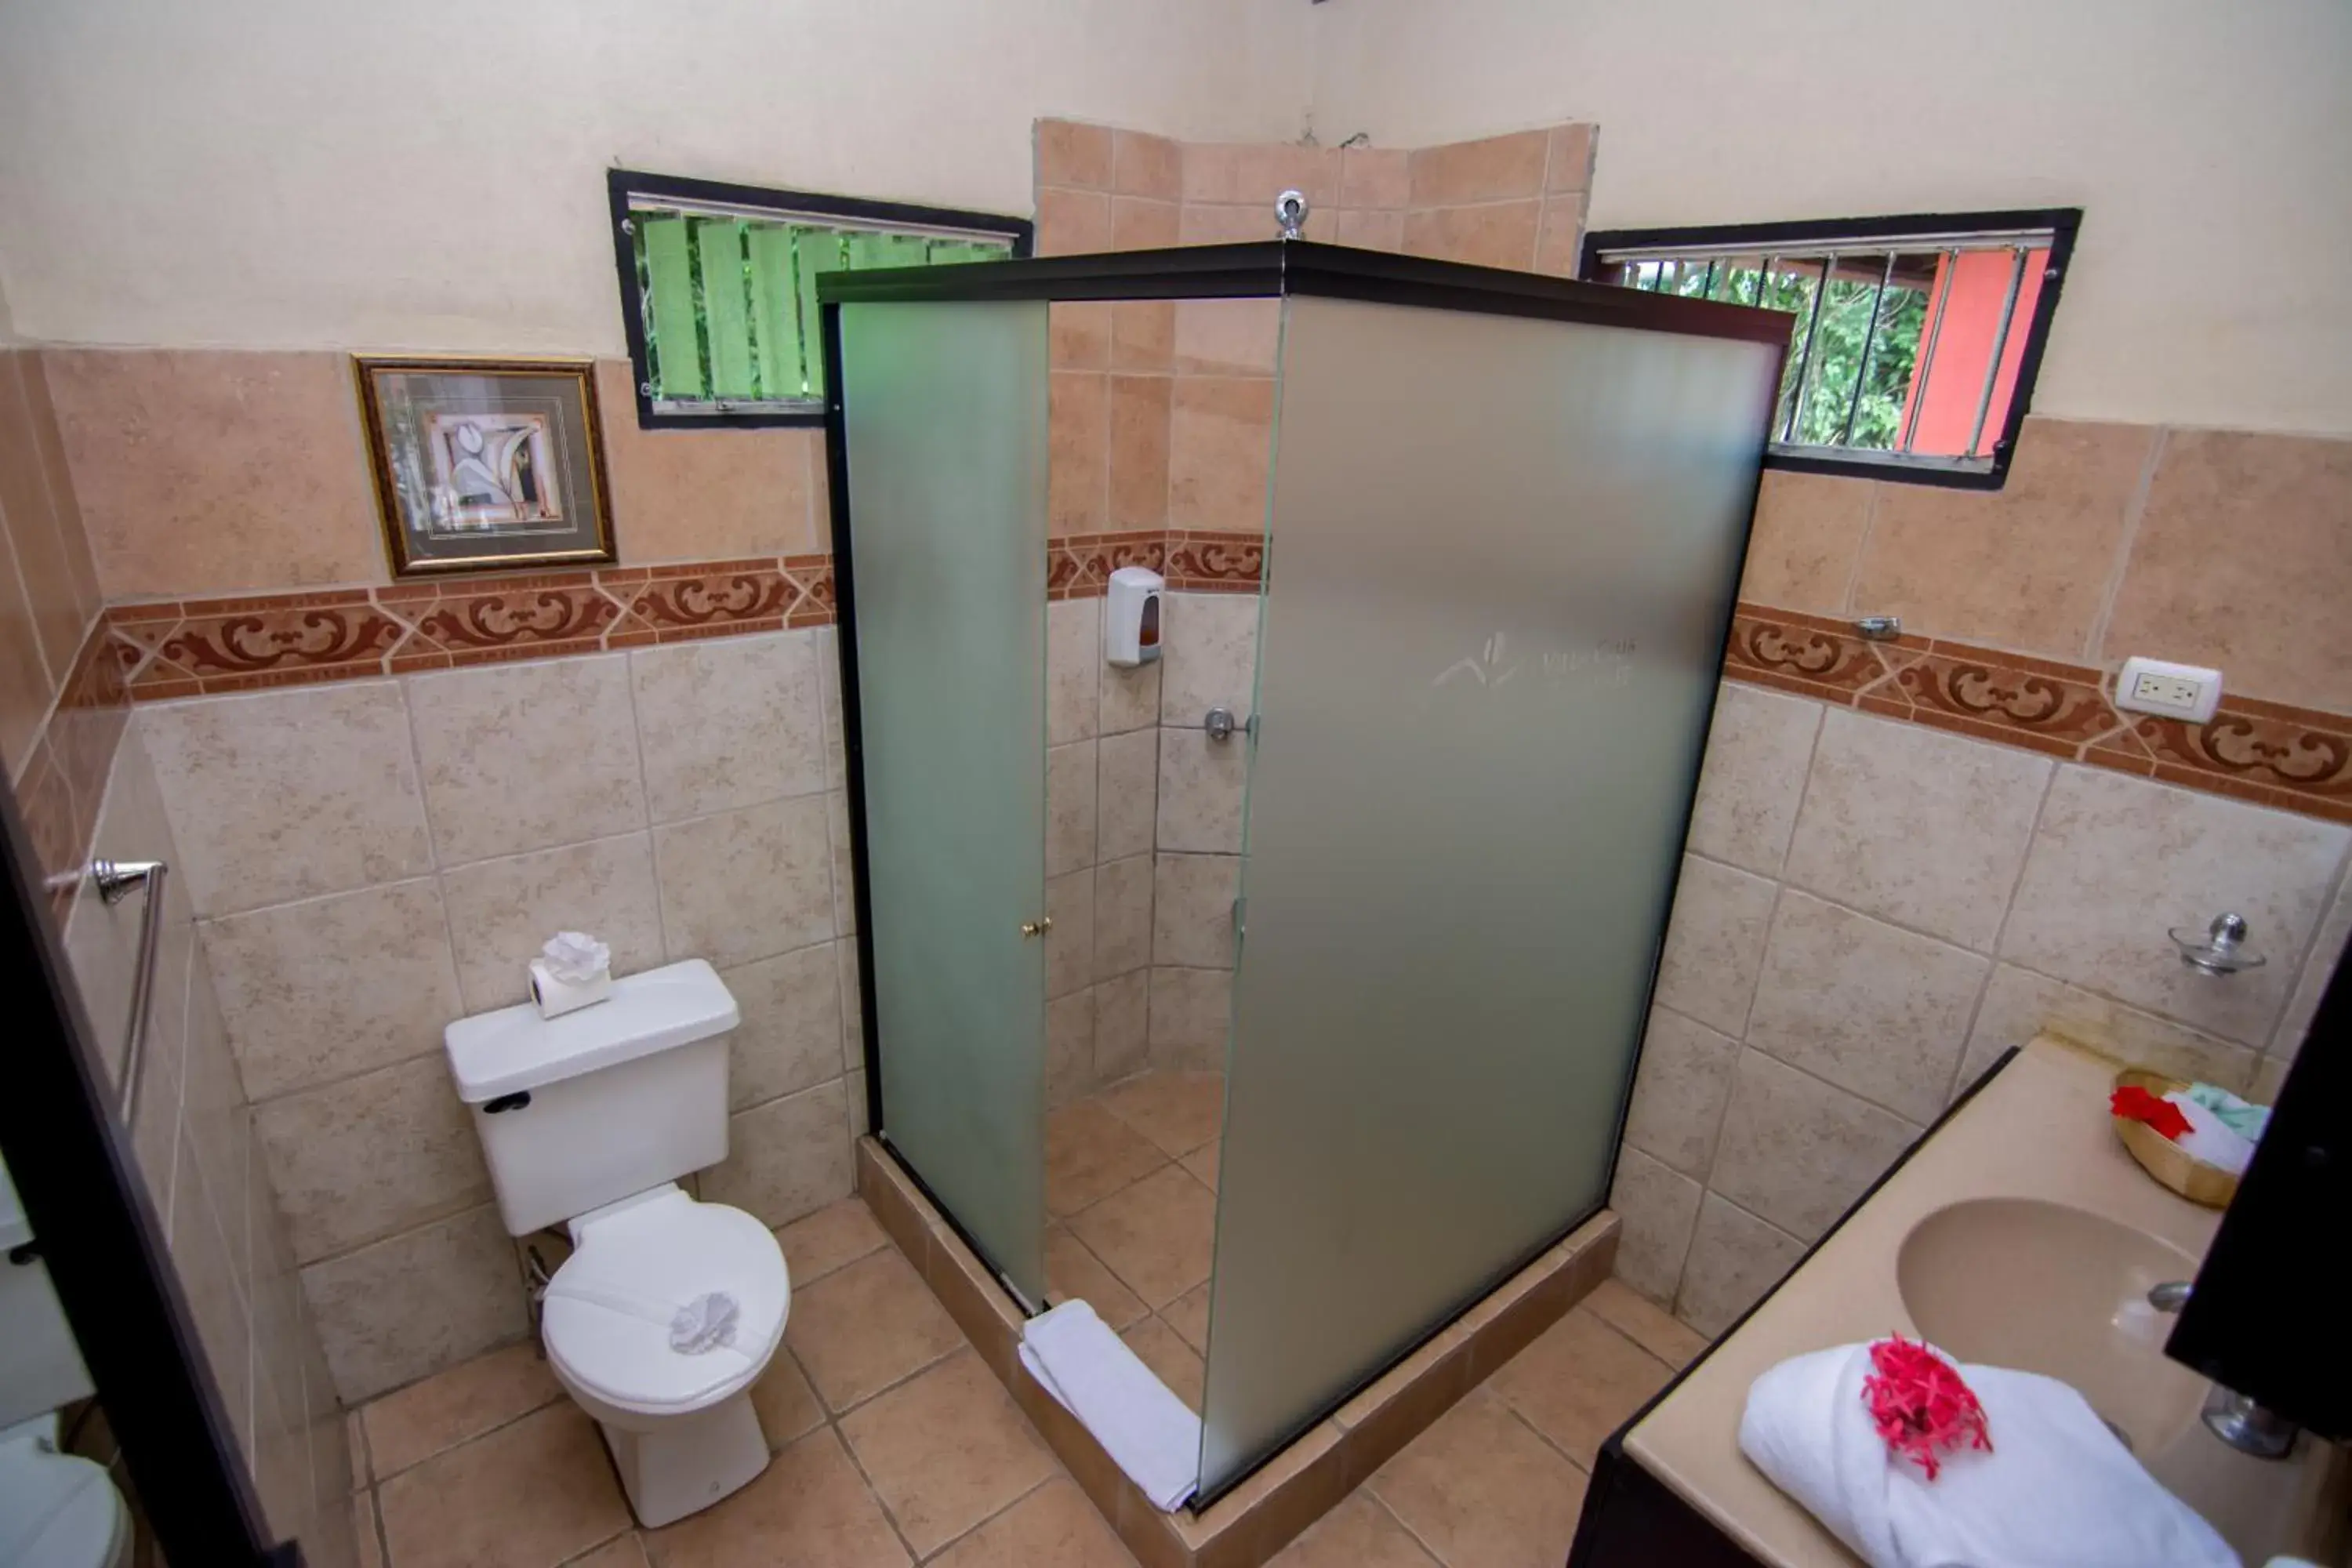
[
  {"x": 1091, "y": 1154},
  {"x": 1157, "y": 1236},
  {"x": 1178, "y": 1111}
]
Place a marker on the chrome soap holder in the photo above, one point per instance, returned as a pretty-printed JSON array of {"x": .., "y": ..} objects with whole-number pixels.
[{"x": 2220, "y": 949}]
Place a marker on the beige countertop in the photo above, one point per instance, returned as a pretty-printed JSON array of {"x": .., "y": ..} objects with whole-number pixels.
[{"x": 2039, "y": 1130}]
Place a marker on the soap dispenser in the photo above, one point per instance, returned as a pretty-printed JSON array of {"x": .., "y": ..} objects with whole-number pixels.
[{"x": 1131, "y": 616}]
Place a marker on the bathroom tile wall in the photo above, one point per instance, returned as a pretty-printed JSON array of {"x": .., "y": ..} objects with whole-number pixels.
[
  {"x": 369, "y": 859},
  {"x": 169, "y": 449},
  {"x": 1871, "y": 910},
  {"x": 193, "y": 1137},
  {"x": 1163, "y": 435},
  {"x": 1101, "y": 790},
  {"x": 81, "y": 780},
  {"x": 1515, "y": 200},
  {"x": 48, "y": 586},
  {"x": 2211, "y": 547}
]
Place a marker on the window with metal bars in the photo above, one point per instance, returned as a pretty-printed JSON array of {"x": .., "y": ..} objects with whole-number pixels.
[
  {"x": 1914, "y": 340},
  {"x": 719, "y": 288}
]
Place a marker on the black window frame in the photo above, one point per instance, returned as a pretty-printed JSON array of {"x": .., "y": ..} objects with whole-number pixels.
[
  {"x": 622, "y": 184},
  {"x": 2062, "y": 224}
]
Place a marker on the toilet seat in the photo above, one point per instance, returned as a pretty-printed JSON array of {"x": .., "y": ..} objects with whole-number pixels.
[
  {"x": 56, "y": 1510},
  {"x": 607, "y": 1311}
]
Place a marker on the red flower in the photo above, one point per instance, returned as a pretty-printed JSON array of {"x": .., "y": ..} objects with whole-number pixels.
[
  {"x": 1919, "y": 1405},
  {"x": 2133, "y": 1103}
]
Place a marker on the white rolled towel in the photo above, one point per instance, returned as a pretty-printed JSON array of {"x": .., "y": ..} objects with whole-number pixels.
[{"x": 2057, "y": 1490}]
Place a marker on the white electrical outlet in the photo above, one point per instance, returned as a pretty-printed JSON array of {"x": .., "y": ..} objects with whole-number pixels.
[{"x": 2174, "y": 691}]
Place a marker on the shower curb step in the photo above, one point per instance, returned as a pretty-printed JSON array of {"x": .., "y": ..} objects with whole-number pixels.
[{"x": 1306, "y": 1481}]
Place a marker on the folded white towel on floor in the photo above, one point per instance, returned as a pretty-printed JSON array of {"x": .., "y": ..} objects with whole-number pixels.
[
  {"x": 1094, "y": 1376},
  {"x": 2058, "y": 1490}
]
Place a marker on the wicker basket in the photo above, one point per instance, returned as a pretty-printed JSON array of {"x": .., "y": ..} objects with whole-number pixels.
[{"x": 2161, "y": 1157}]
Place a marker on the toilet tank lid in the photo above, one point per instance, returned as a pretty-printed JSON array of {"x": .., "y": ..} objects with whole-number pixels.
[{"x": 514, "y": 1048}]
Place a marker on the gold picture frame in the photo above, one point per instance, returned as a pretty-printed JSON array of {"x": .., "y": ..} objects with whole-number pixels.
[{"x": 485, "y": 465}]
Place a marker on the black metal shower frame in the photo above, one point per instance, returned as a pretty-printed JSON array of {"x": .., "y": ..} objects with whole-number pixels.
[{"x": 1261, "y": 269}]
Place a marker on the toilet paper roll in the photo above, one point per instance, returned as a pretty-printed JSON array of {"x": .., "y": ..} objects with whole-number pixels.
[{"x": 556, "y": 996}]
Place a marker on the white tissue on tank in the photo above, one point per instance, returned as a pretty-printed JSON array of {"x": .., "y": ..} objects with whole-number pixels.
[{"x": 576, "y": 958}]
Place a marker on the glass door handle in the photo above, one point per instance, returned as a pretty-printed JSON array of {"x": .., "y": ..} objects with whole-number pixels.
[{"x": 1037, "y": 927}]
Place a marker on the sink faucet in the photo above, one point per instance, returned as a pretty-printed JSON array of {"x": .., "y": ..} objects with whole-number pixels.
[{"x": 2231, "y": 1416}]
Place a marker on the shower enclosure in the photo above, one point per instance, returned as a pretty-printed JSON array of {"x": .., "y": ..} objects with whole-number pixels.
[{"x": 1502, "y": 532}]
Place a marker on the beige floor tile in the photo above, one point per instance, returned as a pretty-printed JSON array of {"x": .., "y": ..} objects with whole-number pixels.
[
  {"x": 1481, "y": 1491},
  {"x": 787, "y": 1407},
  {"x": 1178, "y": 1111},
  {"x": 629, "y": 1552},
  {"x": 1189, "y": 1315},
  {"x": 1203, "y": 1164},
  {"x": 1072, "y": 1273},
  {"x": 364, "y": 1537},
  {"x": 1644, "y": 1322},
  {"x": 946, "y": 1450},
  {"x": 1358, "y": 1534},
  {"x": 1171, "y": 1361},
  {"x": 448, "y": 1408},
  {"x": 1052, "y": 1527},
  {"x": 840, "y": 1233},
  {"x": 1158, "y": 1236},
  {"x": 860, "y": 1330},
  {"x": 1091, "y": 1154},
  {"x": 530, "y": 1495},
  {"x": 1577, "y": 1381},
  {"x": 809, "y": 1506}
]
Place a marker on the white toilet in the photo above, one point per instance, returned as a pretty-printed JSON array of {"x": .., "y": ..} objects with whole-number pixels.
[
  {"x": 57, "y": 1510},
  {"x": 588, "y": 1120}
]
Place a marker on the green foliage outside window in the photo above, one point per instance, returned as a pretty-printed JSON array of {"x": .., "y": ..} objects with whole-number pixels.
[
  {"x": 1835, "y": 373},
  {"x": 730, "y": 307}
]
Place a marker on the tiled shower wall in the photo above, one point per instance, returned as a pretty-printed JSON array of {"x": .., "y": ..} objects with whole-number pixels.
[
  {"x": 1163, "y": 420},
  {"x": 81, "y": 778},
  {"x": 368, "y": 860},
  {"x": 1515, "y": 200},
  {"x": 1872, "y": 910}
]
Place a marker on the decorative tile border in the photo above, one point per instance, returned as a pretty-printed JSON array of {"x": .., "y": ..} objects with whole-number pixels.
[
  {"x": 1079, "y": 566},
  {"x": 205, "y": 647},
  {"x": 210, "y": 647},
  {"x": 1215, "y": 563},
  {"x": 2296, "y": 759}
]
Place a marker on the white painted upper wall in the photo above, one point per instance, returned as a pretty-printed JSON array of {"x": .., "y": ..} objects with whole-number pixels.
[
  {"x": 2209, "y": 145},
  {"x": 429, "y": 174}
]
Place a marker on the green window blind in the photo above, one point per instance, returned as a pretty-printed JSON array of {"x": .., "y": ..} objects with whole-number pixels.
[{"x": 730, "y": 307}]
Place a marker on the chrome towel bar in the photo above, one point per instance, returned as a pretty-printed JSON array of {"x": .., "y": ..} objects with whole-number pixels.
[{"x": 115, "y": 881}]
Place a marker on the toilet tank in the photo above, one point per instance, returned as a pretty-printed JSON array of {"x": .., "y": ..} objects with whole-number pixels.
[{"x": 583, "y": 1110}]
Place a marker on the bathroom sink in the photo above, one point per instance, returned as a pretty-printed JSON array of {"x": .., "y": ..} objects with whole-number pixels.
[{"x": 2045, "y": 1288}]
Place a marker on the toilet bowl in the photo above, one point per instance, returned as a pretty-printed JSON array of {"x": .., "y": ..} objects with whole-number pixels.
[
  {"x": 57, "y": 1510},
  {"x": 587, "y": 1120},
  {"x": 680, "y": 1425}
]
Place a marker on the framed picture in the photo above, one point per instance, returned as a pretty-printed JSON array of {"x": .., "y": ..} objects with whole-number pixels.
[{"x": 485, "y": 465}]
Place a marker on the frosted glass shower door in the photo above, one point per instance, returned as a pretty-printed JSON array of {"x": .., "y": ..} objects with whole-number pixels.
[
  {"x": 1503, "y": 556},
  {"x": 944, "y": 424}
]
